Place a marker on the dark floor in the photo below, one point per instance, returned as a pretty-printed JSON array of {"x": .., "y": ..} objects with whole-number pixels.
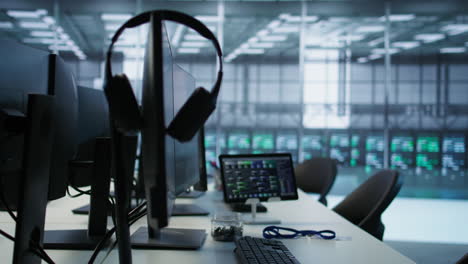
[{"x": 430, "y": 253}]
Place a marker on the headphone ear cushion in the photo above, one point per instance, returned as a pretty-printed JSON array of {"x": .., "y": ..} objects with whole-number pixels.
[
  {"x": 123, "y": 106},
  {"x": 192, "y": 116}
]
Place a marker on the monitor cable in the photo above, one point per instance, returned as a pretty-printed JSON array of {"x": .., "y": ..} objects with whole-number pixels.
[{"x": 133, "y": 216}]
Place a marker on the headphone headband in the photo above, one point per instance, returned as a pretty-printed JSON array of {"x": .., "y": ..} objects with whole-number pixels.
[{"x": 174, "y": 16}]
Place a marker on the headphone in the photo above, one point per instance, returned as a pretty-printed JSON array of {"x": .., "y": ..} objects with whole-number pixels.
[{"x": 123, "y": 106}]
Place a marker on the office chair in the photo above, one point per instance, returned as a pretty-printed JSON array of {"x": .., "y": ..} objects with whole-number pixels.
[
  {"x": 316, "y": 175},
  {"x": 463, "y": 260},
  {"x": 365, "y": 205}
]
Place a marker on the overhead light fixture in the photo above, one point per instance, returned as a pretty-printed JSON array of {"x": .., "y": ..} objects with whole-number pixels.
[
  {"x": 276, "y": 38},
  {"x": 253, "y": 40},
  {"x": 370, "y": 29},
  {"x": 262, "y": 33},
  {"x": 274, "y": 24},
  {"x": 286, "y": 29},
  {"x": 262, "y": 45},
  {"x": 375, "y": 56},
  {"x": 207, "y": 19},
  {"x": 177, "y": 35},
  {"x": 188, "y": 50},
  {"x": 27, "y": 14},
  {"x": 406, "y": 44},
  {"x": 376, "y": 42},
  {"x": 429, "y": 38},
  {"x": 290, "y": 18},
  {"x": 33, "y": 25},
  {"x": 362, "y": 60},
  {"x": 60, "y": 47},
  {"x": 384, "y": 51},
  {"x": 47, "y": 41},
  {"x": 112, "y": 27},
  {"x": 48, "y": 20},
  {"x": 351, "y": 37},
  {"x": 455, "y": 29},
  {"x": 253, "y": 51},
  {"x": 42, "y": 34},
  {"x": 6, "y": 25},
  {"x": 115, "y": 17},
  {"x": 453, "y": 50},
  {"x": 399, "y": 17},
  {"x": 191, "y": 44},
  {"x": 194, "y": 37}
]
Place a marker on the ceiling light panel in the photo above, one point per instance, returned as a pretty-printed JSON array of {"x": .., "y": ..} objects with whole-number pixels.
[
  {"x": 188, "y": 50},
  {"x": 33, "y": 25},
  {"x": 453, "y": 50},
  {"x": 116, "y": 17},
  {"x": 27, "y": 14},
  {"x": 6, "y": 25},
  {"x": 429, "y": 38},
  {"x": 370, "y": 29}
]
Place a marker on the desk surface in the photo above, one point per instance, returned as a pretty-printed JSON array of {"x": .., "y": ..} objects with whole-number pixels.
[{"x": 305, "y": 213}]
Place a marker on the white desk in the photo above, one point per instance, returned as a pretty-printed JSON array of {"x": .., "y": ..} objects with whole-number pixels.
[{"x": 306, "y": 213}]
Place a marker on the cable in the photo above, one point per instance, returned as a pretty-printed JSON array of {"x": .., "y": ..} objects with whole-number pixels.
[
  {"x": 274, "y": 232},
  {"x": 4, "y": 201},
  {"x": 5, "y": 234},
  {"x": 134, "y": 215}
]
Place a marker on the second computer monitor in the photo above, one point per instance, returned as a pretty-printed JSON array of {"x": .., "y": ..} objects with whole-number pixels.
[{"x": 261, "y": 176}]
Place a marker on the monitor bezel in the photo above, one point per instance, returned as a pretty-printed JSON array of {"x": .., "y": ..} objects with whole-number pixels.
[{"x": 243, "y": 200}]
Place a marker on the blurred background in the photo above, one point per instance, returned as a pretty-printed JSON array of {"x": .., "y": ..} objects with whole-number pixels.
[{"x": 374, "y": 84}]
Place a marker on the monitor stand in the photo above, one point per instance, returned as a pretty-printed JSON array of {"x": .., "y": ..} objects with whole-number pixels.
[
  {"x": 34, "y": 179},
  {"x": 168, "y": 238},
  {"x": 188, "y": 210},
  {"x": 97, "y": 221},
  {"x": 191, "y": 194},
  {"x": 253, "y": 219}
]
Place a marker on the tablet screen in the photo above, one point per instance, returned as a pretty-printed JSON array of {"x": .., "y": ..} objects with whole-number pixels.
[{"x": 257, "y": 176}]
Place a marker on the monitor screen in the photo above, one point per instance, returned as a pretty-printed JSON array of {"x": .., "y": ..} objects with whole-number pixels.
[
  {"x": 286, "y": 142},
  {"x": 402, "y": 151},
  {"x": 257, "y": 176},
  {"x": 239, "y": 140},
  {"x": 357, "y": 150},
  {"x": 454, "y": 151},
  {"x": 263, "y": 141},
  {"x": 210, "y": 140},
  {"x": 427, "y": 152},
  {"x": 186, "y": 154},
  {"x": 339, "y": 147},
  {"x": 374, "y": 152}
]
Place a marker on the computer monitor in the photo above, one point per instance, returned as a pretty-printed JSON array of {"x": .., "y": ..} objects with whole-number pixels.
[
  {"x": 374, "y": 151},
  {"x": 93, "y": 122},
  {"x": 62, "y": 85},
  {"x": 287, "y": 141},
  {"x": 261, "y": 176},
  {"x": 357, "y": 144},
  {"x": 190, "y": 156},
  {"x": 453, "y": 159},
  {"x": 402, "y": 150},
  {"x": 263, "y": 142},
  {"x": 238, "y": 142},
  {"x": 23, "y": 71},
  {"x": 158, "y": 149},
  {"x": 313, "y": 145},
  {"x": 339, "y": 147},
  {"x": 428, "y": 158}
]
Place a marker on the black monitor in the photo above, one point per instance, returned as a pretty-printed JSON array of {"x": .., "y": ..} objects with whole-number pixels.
[
  {"x": 286, "y": 141},
  {"x": 357, "y": 144},
  {"x": 263, "y": 142},
  {"x": 23, "y": 71},
  {"x": 238, "y": 142},
  {"x": 93, "y": 122},
  {"x": 428, "y": 156},
  {"x": 63, "y": 87},
  {"x": 261, "y": 176},
  {"x": 158, "y": 148}
]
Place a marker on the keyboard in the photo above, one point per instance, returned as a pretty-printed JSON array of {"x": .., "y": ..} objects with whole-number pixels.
[
  {"x": 260, "y": 251},
  {"x": 246, "y": 208}
]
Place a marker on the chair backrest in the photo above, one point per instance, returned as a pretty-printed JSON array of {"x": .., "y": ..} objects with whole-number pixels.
[
  {"x": 316, "y": 175},
  {"x": 365, "y": 205}
]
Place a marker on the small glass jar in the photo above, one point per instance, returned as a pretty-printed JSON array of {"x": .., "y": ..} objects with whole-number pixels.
[{"x": 226, "y": 226}]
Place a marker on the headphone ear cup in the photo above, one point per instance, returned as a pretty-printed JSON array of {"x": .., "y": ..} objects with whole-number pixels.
[
  {"x": 123, "y": 106},
  {"x": 192, "y": 116}
]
